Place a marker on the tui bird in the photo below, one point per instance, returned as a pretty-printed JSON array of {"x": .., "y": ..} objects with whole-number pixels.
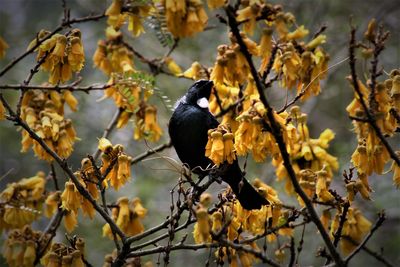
[{"x": 188, "y": 129}]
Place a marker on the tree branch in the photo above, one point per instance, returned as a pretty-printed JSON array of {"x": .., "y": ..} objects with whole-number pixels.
[
  {"x": 378, "y": 223},
  {"x": 64, "y": 165},
  {"x": 367, "y": 111},
  {"x": 64, "y": 24},
  {"x": 277, "y": 133}
]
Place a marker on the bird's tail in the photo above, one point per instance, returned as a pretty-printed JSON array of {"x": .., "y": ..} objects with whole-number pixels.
[{"x": 247, "y": 195}]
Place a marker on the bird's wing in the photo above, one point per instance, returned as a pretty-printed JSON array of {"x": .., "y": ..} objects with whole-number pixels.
[{"x": 188, "y": 129}]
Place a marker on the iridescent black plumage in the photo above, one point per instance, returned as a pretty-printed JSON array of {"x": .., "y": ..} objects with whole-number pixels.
[{"x": 188, "y": 129}]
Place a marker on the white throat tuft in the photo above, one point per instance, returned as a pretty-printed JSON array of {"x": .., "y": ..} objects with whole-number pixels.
[{"x": 203, "y": 102}]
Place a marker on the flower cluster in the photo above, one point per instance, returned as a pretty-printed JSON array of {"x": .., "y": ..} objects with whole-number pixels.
[
  {"x": 21, "y": 202},
  {"x": 231, "y": 66},
  {"x": 43, "y": 112},
  {"x": 115, "y": 169},
  {"x": 185, "y": 17},
  {"x": 371, "y": 155},
  {"x": 63, "y": 54},
  {"x": 251, "y": 134},
  {"x": 220, "y": 147},
  {"x": 71, "y": 201},
  {"x": 302, "y": 67},
  {"x": 128, "y": 217},
  {"x": 195, "y": 72},
  {"x": 112, "y": 55},
  {"x": 360, "y": 185},
  {"x": 133, "y": 11},
  {"x": 21, "y": 247},
  {"x": 3, "y": 47},
  {"x": 60, "y": 254},
  {"x": 234, "y": 222},
  {"x": 355, "y": 227},
  {"x": 115, "y": 164},
  {"x": 250, "y": 11},
  {"x": 131, "y": 93},
  {"x": 308, "y": 155},
  {"x": 146, "y": 125}
]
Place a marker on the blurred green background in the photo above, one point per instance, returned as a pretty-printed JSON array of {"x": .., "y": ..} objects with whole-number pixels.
[{"x": 153, "y": 179}]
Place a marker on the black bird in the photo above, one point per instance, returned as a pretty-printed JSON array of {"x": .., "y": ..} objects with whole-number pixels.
[{"x": 188, "y": 129}]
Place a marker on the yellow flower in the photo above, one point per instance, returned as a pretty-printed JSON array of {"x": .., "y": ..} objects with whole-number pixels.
[
  {"x": 87, "y": 208},
  {"x": 217, "y": 74},
  {"x": 229, "y": 152},
  {"x": 66, "y": 55},
  {"x": 100, "y": 59},
  {"x": 3, "y": 111},
  {"x": 322, "y": 187},
  {"x": 71, "y": 199},
  {"x": 213, "y": 4},
  {"x": 124, "y": 168},
  {"x": 360, "y": 159},
  {"x": 185, "y": 18},
  {"x": 205, "y": 199},
  {"x": 76, "y": 57},
  {"x": 115, "y": 8},
  {"x": 320, "y": 39},
  {"x": 351, "y": 190},
  {"x": 123, "y": 214},
  {"x": 127, "y": 216},
  {"x": 356, "y": 227},
  {"x": 216, "y": 152},
  {"x": 216, "y": 222},
  {"x": 250, "y": 14},
  {"x": 243, "y": 136},
  {"x": 396, "y": 172},
  {"x": 173, "y": 66},
  {"x": 105, "y": 145},
  {"x": 3, "y": 47},
  {"x": 325, "y": 218},
  {"x": 201, "y": 231},
  {"x": 52, "y": 203},
  {"x": 70, "y": 221},
  {"x": 265, "y": 48},
  {"x": 59, "y": 50},
  {"x": 146, "y": 124},
  {"x": 299, "y": 33},
  {"x": 194, "y": 72}
]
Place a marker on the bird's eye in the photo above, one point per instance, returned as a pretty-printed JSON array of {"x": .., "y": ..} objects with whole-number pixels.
[{"x": 203, "y": 102}]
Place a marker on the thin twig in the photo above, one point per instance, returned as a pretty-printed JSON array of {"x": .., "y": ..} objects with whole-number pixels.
[
  {"x": 150, "y": 152},
  {"x": 69, "y": 87},
  {"x": 343, "y": 218},
  {"x": 49, "y": 233},
  {"x": 378, "y": 223},
  {"x": 58, "y": 29},
  {"x": 338, "y": 234},
  {"x": 270, "y": 63},
  {"x": 33, "y": 71},
  {"x": 54, "y": 177},
  {"x": 376, "y": 255},
  {"x": 357, "y": 89},
  {"x": 64, "y": 165},
  {"x": 304, "y": 90},
  {"x": 292, "y": 253},
  {"x": 111, "y": 126}
]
